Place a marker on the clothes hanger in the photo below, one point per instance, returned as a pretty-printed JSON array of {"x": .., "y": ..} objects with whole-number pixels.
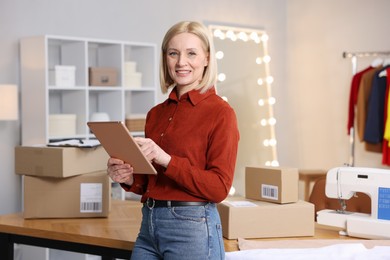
[
  {"x": 377, "y": 62},
  {"x": 383, "y": 73},
  {"x": 386, "y": 62}
]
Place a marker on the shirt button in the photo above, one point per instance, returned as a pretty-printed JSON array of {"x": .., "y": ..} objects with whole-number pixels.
[
  {"x": 170, "y": 119},
  {"x": 162, "y": 134}
]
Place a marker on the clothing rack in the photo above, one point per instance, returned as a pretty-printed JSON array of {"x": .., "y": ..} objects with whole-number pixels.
[{"x": 354, "y": 56}]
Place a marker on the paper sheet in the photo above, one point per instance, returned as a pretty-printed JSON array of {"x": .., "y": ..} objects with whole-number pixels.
[
  {"x": 355, "y": 251},
  {"x": 76, "y": 143}
]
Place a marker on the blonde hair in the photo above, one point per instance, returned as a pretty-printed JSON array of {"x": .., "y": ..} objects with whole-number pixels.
[{"x": 209, "y": 75}]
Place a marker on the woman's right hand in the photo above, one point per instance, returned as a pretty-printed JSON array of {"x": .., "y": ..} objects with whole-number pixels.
[{"x": 119, "y": 171}]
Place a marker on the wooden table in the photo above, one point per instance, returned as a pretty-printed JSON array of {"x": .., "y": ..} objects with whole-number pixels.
[
  {"x": 111, "y": 237},
  {"x": 308, "y": 176},
  {"x": 321, "y": 232}
]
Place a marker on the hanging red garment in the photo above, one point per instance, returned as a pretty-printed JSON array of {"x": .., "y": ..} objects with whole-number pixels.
[
  {"x": 354, "y": 95},
  {"x": 385, "y": 143}
]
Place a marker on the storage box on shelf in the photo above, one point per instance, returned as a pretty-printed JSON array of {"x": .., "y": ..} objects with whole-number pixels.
[
  {"x": 103, "y": 76},
  {"x": 41, "y": 55},
  {"x": 132, "y": 78},
  {"x": 135, "y": 122},
  {"x": 63, "y": 76}
]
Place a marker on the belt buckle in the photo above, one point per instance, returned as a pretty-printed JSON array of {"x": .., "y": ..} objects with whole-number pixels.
[{"x": 150, "y": 203}]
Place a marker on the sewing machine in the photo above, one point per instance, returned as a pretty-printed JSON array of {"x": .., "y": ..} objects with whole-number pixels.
[{"x": 342, "y": 183}]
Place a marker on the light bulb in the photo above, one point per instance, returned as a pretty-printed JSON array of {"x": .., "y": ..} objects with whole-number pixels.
[
  {"x": 218, "y": 33},
  {"x": 269, "y": 79},
  {"x": 260, "y": 82},
  {"x": 266, "y": 59},
  {"x": 221, "y": 77},
  {"x": 272, "y": 142},
  {"x": 219, "y": 55},
  {"x": 275, "y": 163},
  {"x": 272, "y": 121},
  {"x": 271, "y": 101},
  {"x": 243, "y": 36},
  {"x": 263, "y": 122},
  {"x": 254, "y": 36},
  {"x": 264, "y": 37},
  {"x": 230, "y": 34},
  {"x": 261, "y": 102},
  {"x": 258, "y": 60}
]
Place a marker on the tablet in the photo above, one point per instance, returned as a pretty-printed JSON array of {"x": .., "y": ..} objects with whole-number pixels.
[{"x": 118, "y": 143}]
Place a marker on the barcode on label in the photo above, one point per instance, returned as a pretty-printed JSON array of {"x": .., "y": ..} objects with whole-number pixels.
[
  {"x": 269, "y": 192},
  {"x": 91, "y": 197},
  {"x": 90, "y": 207}
]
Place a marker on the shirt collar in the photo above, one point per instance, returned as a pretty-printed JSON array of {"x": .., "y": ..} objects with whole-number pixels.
[{"x": 194, "y": 96}]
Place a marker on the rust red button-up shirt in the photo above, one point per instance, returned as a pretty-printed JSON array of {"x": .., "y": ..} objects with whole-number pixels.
[{"x": 200, "y": 133}]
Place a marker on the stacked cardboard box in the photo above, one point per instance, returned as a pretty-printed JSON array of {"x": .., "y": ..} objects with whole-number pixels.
[
  {"x": 270, "y": 207},
  {"x": 63, "y": 182}
]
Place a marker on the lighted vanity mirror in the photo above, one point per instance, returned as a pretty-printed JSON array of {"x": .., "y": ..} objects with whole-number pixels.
[{"x": 244, "y": 80}]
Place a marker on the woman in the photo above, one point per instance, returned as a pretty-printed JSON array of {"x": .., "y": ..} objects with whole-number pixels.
[{"x": 192, "y": 140}]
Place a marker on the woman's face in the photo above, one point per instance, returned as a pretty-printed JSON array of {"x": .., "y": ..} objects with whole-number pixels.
[{"x": 186, "y": 60}]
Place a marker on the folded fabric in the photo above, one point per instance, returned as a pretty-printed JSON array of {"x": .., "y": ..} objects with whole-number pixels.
[
  {"x": 246, "y": 244},
  {"x": 354, "y": 251}
]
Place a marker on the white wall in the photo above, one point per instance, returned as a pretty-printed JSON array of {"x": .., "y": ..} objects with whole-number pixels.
[
  {"x": 318, "y": 78},
  {"x": 307, "y": 38}
]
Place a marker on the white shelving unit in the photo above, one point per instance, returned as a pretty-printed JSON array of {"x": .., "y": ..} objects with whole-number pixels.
[{"x": 41, "y": 97}]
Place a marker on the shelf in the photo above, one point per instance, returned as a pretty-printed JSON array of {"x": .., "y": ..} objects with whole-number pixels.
[{"x": 44, "y": 58}]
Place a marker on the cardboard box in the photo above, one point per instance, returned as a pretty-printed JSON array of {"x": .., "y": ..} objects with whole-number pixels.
[
  {"x": 99, "y": 76},
  {"x": 83, "y": 196},
  {"x": 244, "y": 218},
  {"x": 136, "y": 122},
  {"x": 59, "y": 162},
  {"x": 272, "y": 184}
]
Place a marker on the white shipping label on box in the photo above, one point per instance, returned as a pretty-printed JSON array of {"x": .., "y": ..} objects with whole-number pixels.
[
  {"x": 242, "y": 203},
  {"x": 269, "y": 191},
  {"x": 91, "y": 197}
]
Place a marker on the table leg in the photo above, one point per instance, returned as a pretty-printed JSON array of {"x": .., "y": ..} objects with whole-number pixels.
[{"x": 6, "y": 247}]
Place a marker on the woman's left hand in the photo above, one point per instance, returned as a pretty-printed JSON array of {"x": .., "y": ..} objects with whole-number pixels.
[{"x": 153, "y": 152}]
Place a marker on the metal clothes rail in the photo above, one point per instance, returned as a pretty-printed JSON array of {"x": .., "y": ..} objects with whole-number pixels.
[{"x": 354, "y": 57}]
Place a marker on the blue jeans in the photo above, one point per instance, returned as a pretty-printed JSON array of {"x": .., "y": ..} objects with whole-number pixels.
[{"x": 180, "y": 233}]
